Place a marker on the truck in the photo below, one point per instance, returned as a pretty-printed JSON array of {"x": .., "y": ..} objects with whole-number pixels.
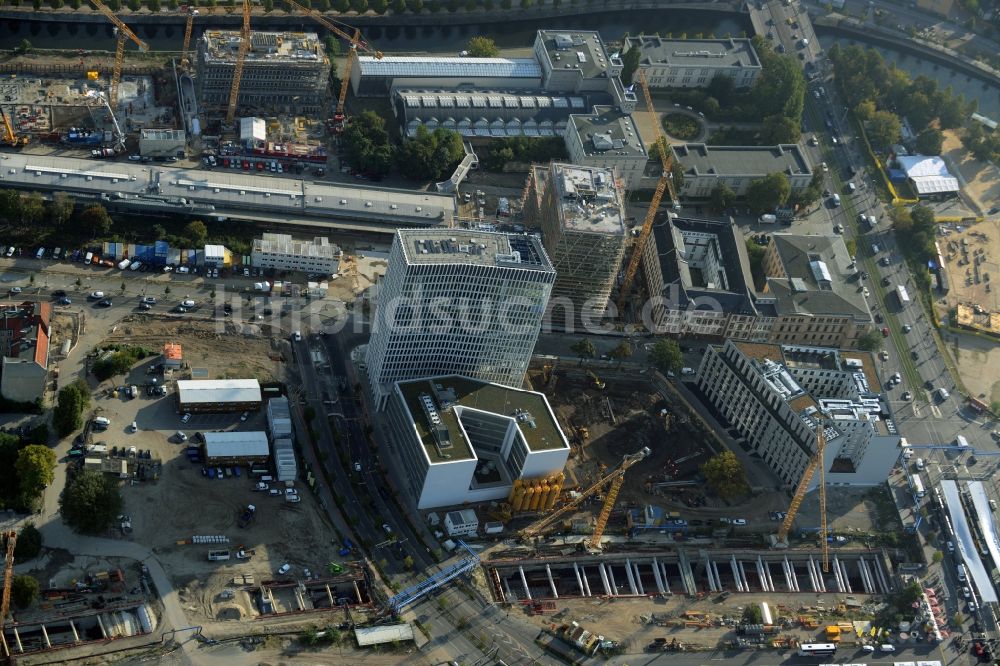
[
  {"x": 102, "y": 153},
  {"x": 247, "y": 516},
  {"x": 218, "y": 555},
  {"x": 918, "y": 485},
  {"x": 903, "y": 297},
  {"x": 768, "y": 219}
]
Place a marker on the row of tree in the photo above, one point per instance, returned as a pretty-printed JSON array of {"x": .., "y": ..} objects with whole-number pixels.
[
  {"x": 27, "y": 466},
  {"x": 881, "y": 94},
  {"x": 67, "y": 416},
  {"x": 337, "y": 6}
]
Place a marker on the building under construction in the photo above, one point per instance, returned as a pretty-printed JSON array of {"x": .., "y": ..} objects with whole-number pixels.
[
  {"x": 582, "y": 217},
  {"x": 285, "y": 72}
]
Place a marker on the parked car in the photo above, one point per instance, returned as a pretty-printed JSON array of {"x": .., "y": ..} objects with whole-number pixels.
[
  {"x": 284, "y": 568},
  {"x": 186, "y": 418}
]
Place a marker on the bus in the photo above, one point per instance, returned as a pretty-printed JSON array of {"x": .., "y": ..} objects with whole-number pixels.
[
  {"x": 903, "y": 297},
  {"x": 817, "y": 649}
]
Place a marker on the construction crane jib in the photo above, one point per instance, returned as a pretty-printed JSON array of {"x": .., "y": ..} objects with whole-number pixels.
[
  {"x": 241, "y": 58},
  {"x": 125, "y": 34},
  {"x": 615, "y": 477},
  {"x": 800, "y": 492}
]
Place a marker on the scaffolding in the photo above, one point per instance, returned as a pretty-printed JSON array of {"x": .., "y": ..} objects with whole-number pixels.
[{"x": 412, "y": 594}]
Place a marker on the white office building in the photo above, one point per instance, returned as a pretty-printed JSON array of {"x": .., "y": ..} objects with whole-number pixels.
[
  {"x": 776, "y": 396},
  {"x": 458, "y": 302},
  {"x": 462, "y": 441},
  {"x": 282, "y": 252},
  {"x": 461, "y": 523}
]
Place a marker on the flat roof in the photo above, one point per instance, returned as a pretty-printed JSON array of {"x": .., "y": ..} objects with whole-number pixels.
[
  {"x": 199, "y": 391},
  {"x": 236, "y": 444},
  {"x": 424, "y": 67},
  {"x": 224, "y": 188},
  {"x": 580, "y": 50},
  {"x": 271, "y": 48},
  {"x": 589, "y": 198},
  {"x": 608, "y": 132},
  {"x": 162, "y": 134},
  {"x": 484, "y": 248},
  {"x": 756, "y": 161},
  {"x": 383, "y": 634},
  {"x": 730, "y": 52},
  {"x": 319, "y": 246},
  {"x": 966, "y": 543},
  {"x": 540, "y": 431}
]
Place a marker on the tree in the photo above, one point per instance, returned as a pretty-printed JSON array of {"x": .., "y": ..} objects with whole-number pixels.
[
  {"x": 723, "y": 197},
  {"x": 67, "y": 415},
  {"x": 938, "y": 557},
  {"x": 865, "y": 110},
  {"x": 60, "y": 209},
  {"x": 630, "y": 63},
  {"x": 366, "y": 144},
  {"x": 135, "y": 5},
  {"x": 584, "y": 349},
  {"x": 752, "y": 614},
  {"x": 32, "y": 209},
  {"x": 929, "y": 141},
  {"x": 154, "y": 5},
  {"x": 957, "y": 620},
  {"x": 482, "y": 47},
  {"x": 722, "y": 88},
  {"x": 196, "y": 232},
  {"x": 379, "y": 6},
  {"x": 677, "y": 175},
  {"x": 90, "y": 502},
  {"x": 95, "y": 218},
  {"x": 780, "y": 129},
  {"x": 360, "y": 6},
  {"x": 756, "y": 254},
  {"x": 884, "y": 128},
  {"x": 35, "y": 466},
  {"x": 666, "y": 355},
  {"x": 268, "y": 6},
  {"x": 29, "y": 544},
  {"x": 725, "y": 476},
  {"x": 621, "y": 352},
  {"x": 430, "y": 155},
  {"x": 408, "y": 562},
  {"x": 398, "y": 6},
  {"x": 767, "y": 193},
  {"x": 870, "y": 340},
  {"x": 24, "y": 590},
  {"x": 24, "y": 46}
]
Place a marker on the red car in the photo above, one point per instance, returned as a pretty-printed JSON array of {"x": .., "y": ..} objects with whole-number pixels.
[
  {"x": 885, "y": 332},
  {"x": 225, "y": 162},
  {"x": 260, "y": 166},
  {"x": 246, "y": 165}
]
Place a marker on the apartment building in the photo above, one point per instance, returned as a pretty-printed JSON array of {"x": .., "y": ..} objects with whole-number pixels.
[
  {"x": 760, "y": 390},
  {"x": 458, "y": 302},
  {"x": 282, "y": 252},
  {"x": 284, "y": 72},
  {"x": 24, "y": 336},
  {"x": 706, "y": 167},
  {"x": 693, "y": 63},
  {"x": 580, "y": 211},
  {"x": 462, "y": 441}
]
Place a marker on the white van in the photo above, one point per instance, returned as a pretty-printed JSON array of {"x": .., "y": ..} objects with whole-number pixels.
[
  {"x": 134, "y": 427},
  {"x": 943, "y": 393},
  {"x": 875, "y": 248},
  {"x": 960, "y": 570},
  {"x": 836, "y": 197},
  {"x": 102, "y": 421},
  {"x": 887, "y": 647},
  {"x": 687, "y": 371}
]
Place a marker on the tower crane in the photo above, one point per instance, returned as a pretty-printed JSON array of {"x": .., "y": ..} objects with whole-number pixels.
[
  {"x": 8, "y": 575},
  {"x": 241, "y": 58},
  {"x": 124, "y": 35},
  {"x": 800, "y": 493},
  {"x": 615, "y": 477},
  {"x": 188, "y": 27},
  {"x": 355, "y": 42},
  {"x": 665, "y": 184}
]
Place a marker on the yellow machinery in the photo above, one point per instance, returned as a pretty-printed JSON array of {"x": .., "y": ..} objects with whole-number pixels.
[
  {"x": 241, "y": 58},
  {"x": 597, "y": 380},
  {"x": 800, "y": 493},
  {"x": 665, "y": 184},
  {"x": 8, "y": 575},
  {"x": 355, "y": 42},
  {"x": 124, "y": 35},
  {"x": 615, "y": 477},
  {"x": 10, "y": 137},
  {"x": 188, "y": 27}
]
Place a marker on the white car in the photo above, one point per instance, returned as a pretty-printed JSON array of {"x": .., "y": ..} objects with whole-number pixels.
[
  {"x": 294, "y": 499},
  {"x": 244, "y": 416},
  {"x": 95, "y": 295},
  {"x": 291, "y": 491},
  {"x": 260, "y": 485},
  {"x": 739, "y": 521},
  {"x": 357, "y": 467},
  {"x": 297, "y": 336},
  {"x": 825, "y": 167},
  {"x": 15, "y": 290},
  {"x": 187, "y": 303},
  {"x": 284, "y": 568},
  {"x": 274, "y": 492},
  {"x": 149, "y": 300},
  {"x": 186, "y": 418},
  {"x": 385, "y": 526}
]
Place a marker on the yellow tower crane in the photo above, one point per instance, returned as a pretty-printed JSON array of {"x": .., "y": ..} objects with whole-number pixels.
[
  {"x": 355, "y": 42},
  {"x": 241, "y": 58},
  {"x": 8, "y": 575},
  {"x": 800, "y": 493},
  {"x": 10, "y": 136},
  {"x": 124, "y": 35},
  {"x": 188, "y": 27},
  {"x": 615, "y": 477},
  {"x": 665, "y": 184}
]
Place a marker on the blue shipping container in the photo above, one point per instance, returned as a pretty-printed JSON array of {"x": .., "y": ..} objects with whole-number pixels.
[{"x": 162, "y": 248}]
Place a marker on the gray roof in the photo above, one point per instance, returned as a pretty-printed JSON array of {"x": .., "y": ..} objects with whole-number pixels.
[
  {"x": 695, "y": 52},
  {"x": 575, "y": 49},
  {"x": 484, "y": 248},
  {"x": 236, "y": 444},
  {"x": 194, "y": 391},
  {"x": 424, "y": 67},
  {"x": 609, "y": 132},
  {"x": 756, "y": 161},
  {"x": 669, "y": 238},
  {"x": 820, "y": 278},
  {"x": 224, "y": 189}
]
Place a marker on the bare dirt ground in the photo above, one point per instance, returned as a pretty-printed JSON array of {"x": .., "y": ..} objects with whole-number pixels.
[
  {"x": 973, "y": 267},
  {"x": 974, "y": 357},
  {"x": 980, "y": 182}
]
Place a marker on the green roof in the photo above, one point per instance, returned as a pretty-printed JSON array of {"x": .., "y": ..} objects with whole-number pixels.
[{"x": 540, "y": 430}]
